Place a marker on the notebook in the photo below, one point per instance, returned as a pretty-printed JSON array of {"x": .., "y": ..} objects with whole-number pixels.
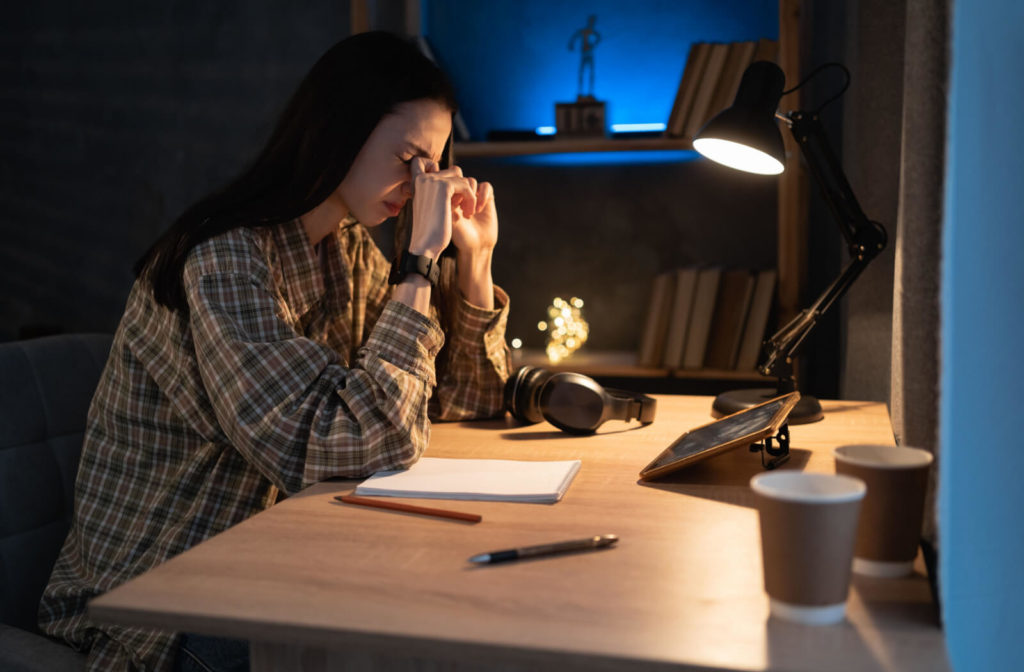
[{"x": 488, "y": 480}]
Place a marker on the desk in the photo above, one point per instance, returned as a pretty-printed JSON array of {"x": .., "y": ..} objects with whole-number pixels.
[{"x": 315, "y": 584}]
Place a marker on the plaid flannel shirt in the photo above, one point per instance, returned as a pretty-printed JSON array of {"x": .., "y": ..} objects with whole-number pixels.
[{"x": 292, "y": 367}]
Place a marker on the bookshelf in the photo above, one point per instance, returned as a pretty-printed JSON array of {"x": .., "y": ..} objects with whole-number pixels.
[
  {"x": 790, "y": 222},
  {"x": 791, "y": 253}
]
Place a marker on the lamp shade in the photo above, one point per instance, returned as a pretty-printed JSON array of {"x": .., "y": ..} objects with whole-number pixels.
[{"x": 745, "y": 135}]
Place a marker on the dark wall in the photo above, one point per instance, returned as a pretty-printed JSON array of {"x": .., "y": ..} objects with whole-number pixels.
[
  {"x": 116, "y": 118},
  {"x": 121, "y": 118},
  {"x": 873, "y": 148},
  {"x": 601, "y": 232},
  {"x": 823, "y": 40}
]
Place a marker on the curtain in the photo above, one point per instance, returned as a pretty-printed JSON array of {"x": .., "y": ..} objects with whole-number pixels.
[{"x": 918, "y": 247}]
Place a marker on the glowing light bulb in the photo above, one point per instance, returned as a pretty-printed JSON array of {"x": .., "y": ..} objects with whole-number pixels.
[{"x": 567, "y": 330}]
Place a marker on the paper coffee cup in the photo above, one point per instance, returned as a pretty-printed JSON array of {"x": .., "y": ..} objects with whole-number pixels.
[
  {"x": 808, "y": 527},
  {"x": 893, "y": 510}
]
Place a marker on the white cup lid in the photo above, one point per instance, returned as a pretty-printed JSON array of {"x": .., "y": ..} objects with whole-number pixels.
[
  {"x": 882, "y": 456},
  {"x": 799, "y": 486}
]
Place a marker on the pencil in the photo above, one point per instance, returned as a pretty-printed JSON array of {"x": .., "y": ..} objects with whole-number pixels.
[{"x": 396, "y": 506}]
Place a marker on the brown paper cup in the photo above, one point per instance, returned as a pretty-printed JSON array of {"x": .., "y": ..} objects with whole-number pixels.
[
  {"x": 890, "y": 522},
  {"x": 808, "y": 527}
]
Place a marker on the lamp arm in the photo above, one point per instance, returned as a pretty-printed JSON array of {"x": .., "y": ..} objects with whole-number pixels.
[
  {"x": 779, "y": 351},
  {"x": 862, "y": 235},
  {"x": 865, "y": 240}
]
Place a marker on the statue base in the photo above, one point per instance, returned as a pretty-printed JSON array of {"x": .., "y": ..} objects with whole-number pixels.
[{"x": 583, "y": 118}]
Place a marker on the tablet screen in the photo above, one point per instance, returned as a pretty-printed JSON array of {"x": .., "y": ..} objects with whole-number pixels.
[{"x": 741, "y": 428}]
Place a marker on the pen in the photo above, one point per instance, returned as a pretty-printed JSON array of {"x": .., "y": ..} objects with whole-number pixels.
[
  {"x": 409, "y": 508},
  {"x": 587, "y": 544}
]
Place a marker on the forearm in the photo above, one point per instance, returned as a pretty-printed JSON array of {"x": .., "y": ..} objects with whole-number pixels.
[
  {"x": 413, "y": 291},
  {"x": 290, "y": 406},
  {"x": 474, "y": 363},
  {"x": 474, "y": 278}
]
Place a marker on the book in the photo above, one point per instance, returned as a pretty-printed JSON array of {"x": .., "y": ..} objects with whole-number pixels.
[
  {"x": 487, "y": 480},
  {"x": 679, "y": 317},
  {"x": 731, "y": 308},
  {"x": 736, "y": 62},
  {"x": 652, "y": 340},
  {"x": 700, "y": 111},
  {"x": 700, "y": 317},
  {"x": 695, "y": 62},
  {"x": 757, "y": 320},
  {"x": 767, "y": 50}
]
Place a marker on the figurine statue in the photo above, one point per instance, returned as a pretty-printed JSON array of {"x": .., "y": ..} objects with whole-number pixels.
[{"x": 589, "y": 39}]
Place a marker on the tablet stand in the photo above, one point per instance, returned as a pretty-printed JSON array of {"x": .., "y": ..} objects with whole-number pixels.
[{"x": 778, "y": 456}]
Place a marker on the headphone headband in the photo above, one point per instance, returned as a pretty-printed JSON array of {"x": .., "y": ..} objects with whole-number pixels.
[{"x": 629, "y": 405}]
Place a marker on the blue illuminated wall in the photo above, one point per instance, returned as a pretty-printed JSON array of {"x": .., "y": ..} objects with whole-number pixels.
[
  {"x": 510, "y": 60},
  {"x": 980, "y": 495}
]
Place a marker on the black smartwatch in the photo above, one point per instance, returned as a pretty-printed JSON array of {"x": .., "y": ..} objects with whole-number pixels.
[{"x": 406, "y": 263}]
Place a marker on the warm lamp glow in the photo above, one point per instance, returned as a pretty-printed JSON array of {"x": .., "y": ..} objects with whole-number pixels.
[{"x": 738, "y": 156}]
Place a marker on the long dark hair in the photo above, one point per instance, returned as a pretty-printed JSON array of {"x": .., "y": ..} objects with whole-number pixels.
[{"x": 328, "y": 119}]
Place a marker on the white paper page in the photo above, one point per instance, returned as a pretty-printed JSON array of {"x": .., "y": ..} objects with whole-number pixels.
[{"x": 493, "y": 480}]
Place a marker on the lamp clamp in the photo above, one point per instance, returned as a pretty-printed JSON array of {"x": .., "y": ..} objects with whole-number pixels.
[{"x": 777, "y": 455}]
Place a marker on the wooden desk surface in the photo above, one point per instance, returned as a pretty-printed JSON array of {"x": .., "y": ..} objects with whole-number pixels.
[{"x": 682, "y": 589}]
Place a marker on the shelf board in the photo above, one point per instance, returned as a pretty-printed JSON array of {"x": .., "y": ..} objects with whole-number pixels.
[
  {"x": 622, "y": 364},
  {"x": 567, "y": 145}
]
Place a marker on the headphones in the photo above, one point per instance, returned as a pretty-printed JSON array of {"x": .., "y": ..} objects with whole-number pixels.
[{"x": 571, "y": 401}]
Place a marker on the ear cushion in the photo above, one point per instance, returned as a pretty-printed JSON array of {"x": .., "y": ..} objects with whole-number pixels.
[
  {"x": 522, "y": 393},
  {"x": 573, "y": 402}
]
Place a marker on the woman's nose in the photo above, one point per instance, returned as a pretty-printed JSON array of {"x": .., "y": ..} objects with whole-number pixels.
[{"x": 407, "y": 189}]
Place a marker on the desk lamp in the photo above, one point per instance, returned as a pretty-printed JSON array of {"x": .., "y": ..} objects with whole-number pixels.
[{"x": 745, "y": 137}]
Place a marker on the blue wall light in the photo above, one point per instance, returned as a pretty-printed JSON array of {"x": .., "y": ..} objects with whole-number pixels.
[{"x": 673, "y": 156}]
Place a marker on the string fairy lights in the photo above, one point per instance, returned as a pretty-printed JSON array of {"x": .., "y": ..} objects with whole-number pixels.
[{"x": 566, "y": 328}]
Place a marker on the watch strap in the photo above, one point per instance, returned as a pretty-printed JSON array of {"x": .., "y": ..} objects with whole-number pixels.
[{"x": 407, "y": 263}]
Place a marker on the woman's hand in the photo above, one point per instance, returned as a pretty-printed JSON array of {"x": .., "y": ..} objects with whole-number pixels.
[
  {"x": 436, "y": 194},
  {"x": 475, "y": 229},
  {"x": 475, "y": 233},
  {"x": 447, "y": 206}
]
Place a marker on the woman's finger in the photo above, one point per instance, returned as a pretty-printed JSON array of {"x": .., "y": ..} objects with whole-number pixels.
[
  {"x": 484, "y": 195},
  {"x": 419, "y": 168},
  {"x": 454, "y": 173},
  {"x": 472, "y": 186},
  {"x": 465, "y": 195},
  {"x": 419, "y": 165}
]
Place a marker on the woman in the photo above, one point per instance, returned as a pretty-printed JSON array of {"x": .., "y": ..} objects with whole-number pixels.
[{"x": 263, "y": 349}]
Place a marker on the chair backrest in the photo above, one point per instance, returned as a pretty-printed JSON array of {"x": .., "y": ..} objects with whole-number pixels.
[{"x": 46, "y": 385}]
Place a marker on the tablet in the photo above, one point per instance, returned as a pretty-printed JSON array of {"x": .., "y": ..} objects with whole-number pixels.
[{"x": 748, "y": 426}]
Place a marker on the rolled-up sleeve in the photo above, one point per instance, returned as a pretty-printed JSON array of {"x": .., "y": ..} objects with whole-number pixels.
[{"x": 290, "y": 406}]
